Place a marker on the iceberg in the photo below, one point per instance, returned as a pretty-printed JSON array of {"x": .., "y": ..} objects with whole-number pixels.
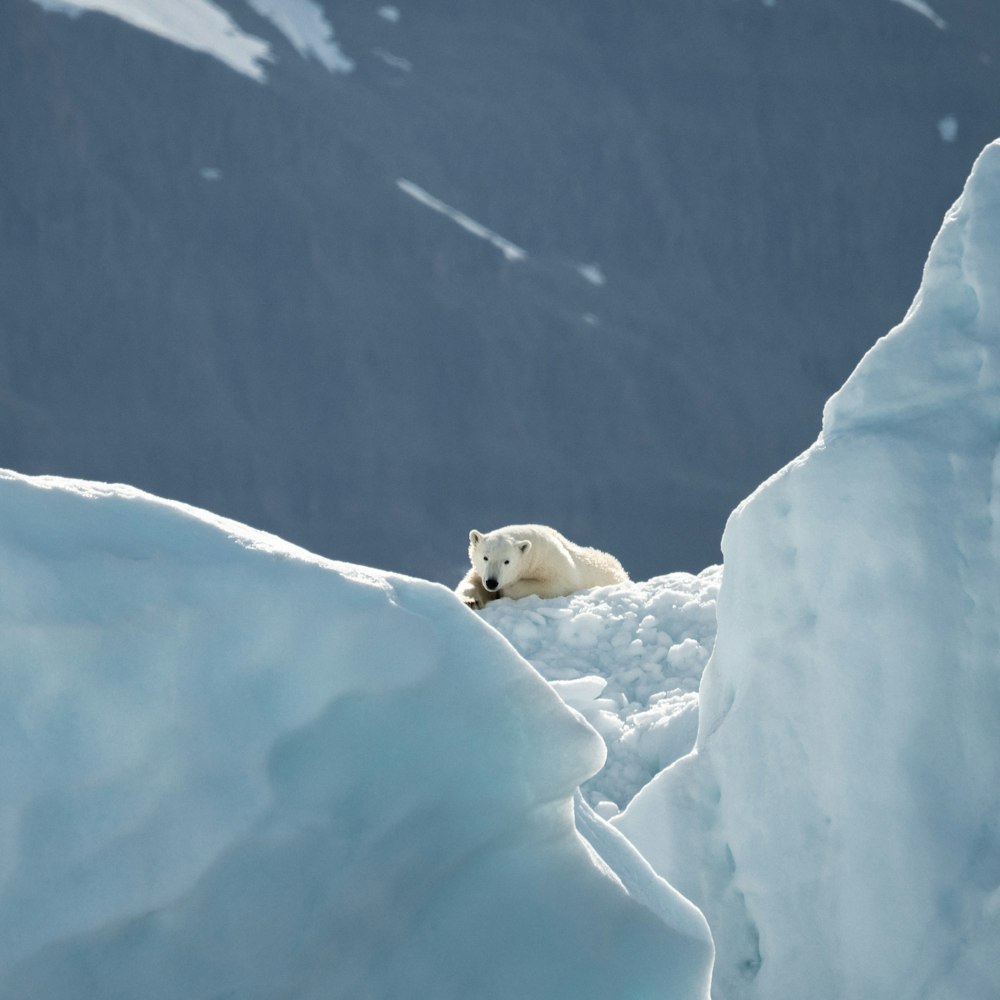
[
  {"x": 838, "y": 821},
  {"x": 229, "y": 767}
]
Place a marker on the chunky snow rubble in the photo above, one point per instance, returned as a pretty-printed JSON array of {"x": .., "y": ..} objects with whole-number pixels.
[{"x": 629, "y": 658}]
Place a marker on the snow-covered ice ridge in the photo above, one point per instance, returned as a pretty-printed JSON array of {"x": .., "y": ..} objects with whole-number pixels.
[
  {"x": 232, "y": 768},
  {"x": 203, "y": 26},
  {"x": 629, "y": 658},
  {"x": 839, "y": 819}
]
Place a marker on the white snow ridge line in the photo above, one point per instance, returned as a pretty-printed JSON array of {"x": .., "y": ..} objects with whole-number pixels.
[{"x": 510, "y": 250}]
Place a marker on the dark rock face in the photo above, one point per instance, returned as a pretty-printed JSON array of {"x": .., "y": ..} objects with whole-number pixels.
[{"x": 218, "y": 290}]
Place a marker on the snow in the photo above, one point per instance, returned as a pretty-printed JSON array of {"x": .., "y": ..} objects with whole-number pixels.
[
  {"x": 509, "y": 250},
  {"x": 232, "y": 768},
  {"x": 396, "y": 62},
  {"x": 628, "y": 658},
  {"x": 591, "y": 273},
  {"x": 389, "y": 13},
  {"x": 925, "y": 10},
  {"x": 305, "y": 25},
  {"x": 204, "y": 27},
  {"x": 197, "y": 24},
  {"x": 948, "y": 128},
  {"x": 838, "y": 821}
]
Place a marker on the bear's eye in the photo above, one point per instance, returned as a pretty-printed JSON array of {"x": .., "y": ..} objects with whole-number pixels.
[
  {"x": 506, "y": 562},
  {"x": 486, "y": 558}
]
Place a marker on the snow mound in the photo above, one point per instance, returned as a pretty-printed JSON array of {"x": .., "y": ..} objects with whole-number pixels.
[
  {"x": 629, "y": 658},
  {"x": 839, "y": 819},
  {"x": 231, "y": 768}
]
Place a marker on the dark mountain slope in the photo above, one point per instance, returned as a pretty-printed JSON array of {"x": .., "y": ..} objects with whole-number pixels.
[{"x": 217, "y": 289}]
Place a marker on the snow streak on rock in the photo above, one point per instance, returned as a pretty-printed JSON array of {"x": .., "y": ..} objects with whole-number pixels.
[
  {"x": 925, "y": 10},
  {"x": 306, "y": 26},
  {"x": 203, "y": 26},
  {"x": 231, "y": 768},
  {"x": 508, "y": 249}
]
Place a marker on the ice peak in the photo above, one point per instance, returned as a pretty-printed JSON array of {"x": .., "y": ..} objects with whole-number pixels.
[{"x": 946, "y": 351}]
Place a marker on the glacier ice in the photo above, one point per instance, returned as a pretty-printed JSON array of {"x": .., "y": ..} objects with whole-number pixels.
[
  {"x": 231, "y": 768},
  {"x": 839, "y": 819}
]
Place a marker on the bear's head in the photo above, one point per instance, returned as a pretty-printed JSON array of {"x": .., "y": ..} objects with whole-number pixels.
[{"x": 497, "y": 557}]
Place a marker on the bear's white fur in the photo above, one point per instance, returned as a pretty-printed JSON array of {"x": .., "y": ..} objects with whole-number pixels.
[{"x": 524, "y": 559}]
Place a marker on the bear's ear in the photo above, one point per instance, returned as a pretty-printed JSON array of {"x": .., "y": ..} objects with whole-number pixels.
[
  {"x": 475, "y": 537},
  {"x": 524, "y": 546}
]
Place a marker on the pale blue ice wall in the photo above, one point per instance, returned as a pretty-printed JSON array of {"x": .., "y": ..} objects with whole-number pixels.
[
  {"x": 838, "y": 823},
  {"x": 231, "y": 768}
]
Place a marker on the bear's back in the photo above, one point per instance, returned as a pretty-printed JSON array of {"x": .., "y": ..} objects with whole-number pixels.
[
  {"x": 593, "y": 567},
  {"x": 597, "y": 568}
]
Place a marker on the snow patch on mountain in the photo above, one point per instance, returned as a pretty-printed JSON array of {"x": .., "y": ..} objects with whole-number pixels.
[
  {"x": 591, "y": 273},
  {"x": 925, "y": 10},
  {"x": 196, "y": 24},
  {"x": 510, "y": 250},
  {"x": 948, "y": 128},
  {"x": 203, "y": 26},
  {"x": 305, "y": 25}
]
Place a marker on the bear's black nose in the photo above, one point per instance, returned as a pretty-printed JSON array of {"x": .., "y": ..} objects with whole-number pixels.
[{"x": 491, "y": 584}]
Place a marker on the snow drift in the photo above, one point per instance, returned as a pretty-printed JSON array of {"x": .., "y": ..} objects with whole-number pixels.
[
  {"x": 230, "y": 768},
  {"x": 839, "y": 819}
]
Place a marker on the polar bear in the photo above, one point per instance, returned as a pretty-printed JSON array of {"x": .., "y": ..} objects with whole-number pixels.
[{"x": 524, "y": 559}]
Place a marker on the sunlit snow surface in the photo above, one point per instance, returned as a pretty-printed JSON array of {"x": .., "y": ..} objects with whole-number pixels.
[
  {"x": 229, "y": 768},
  {"x": 839, "y": 822}
]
